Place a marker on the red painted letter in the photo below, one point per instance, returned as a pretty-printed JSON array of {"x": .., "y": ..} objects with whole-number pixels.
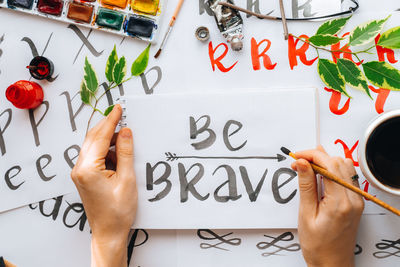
[
  {"x": 381, "y": 99},
  {"x": 346, "y": 51},
  {"x": 381, "y": 51},
  {"x": 217, "y": 61},
  {"x": 255, "y": 55},
  {"x": 366, "y": 188},
  {"x": 348, "y": 153},
  {"x": 335, "y": 101},
  {"x": 301, "y": 52}
]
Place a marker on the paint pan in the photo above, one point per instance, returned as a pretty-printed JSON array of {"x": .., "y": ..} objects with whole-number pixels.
[{"x": 135, "y": 18}]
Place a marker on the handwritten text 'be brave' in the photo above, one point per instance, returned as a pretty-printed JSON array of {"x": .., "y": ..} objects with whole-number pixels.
[{"x": 163, "y": 169}]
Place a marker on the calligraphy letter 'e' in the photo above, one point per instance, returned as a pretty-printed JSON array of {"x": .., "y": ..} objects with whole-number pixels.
[{"x": 276, "y": 186}]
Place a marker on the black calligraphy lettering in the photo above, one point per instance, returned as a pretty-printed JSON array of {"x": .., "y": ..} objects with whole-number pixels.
[
  {"x": 194, "y": 132},
  {"x": 232, "y": 186},
  {"x": 40, "y": 167},
  {"x": 68, "y": 158},
  {"x": 56, "y": 207},
  {"x": 147, "y": 89},
  {"x": 132, "y": 242},
  {"x": 358, "y": 250},
  {"x": 77, "y": 208},
  {"x": 1, "y": 51},
  {"x": 276, "y": 186},
  {"x": 72, "y": 114},
  {"x": 306, "y": 7},
  {"x": 163, "y": 179},
  {"x": 35, "y": 124},
  {"x": 8, "y": 176},
  {"x": 254, "y": 5},
  {"x": 186, "y": 186},
  {"x": 227, "y": 134},
  {"x": 121, "y": 89},
  {"x": 85, "y": 42},
  {"x": 253, "y": 193},
  {"x": 108, "y": 93},
  {"x": 32, "y": 46},
  {"x": 7, "y": 112}
]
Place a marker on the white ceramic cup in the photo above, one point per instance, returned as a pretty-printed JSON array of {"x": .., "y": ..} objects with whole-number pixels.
[{"x": 362, "y": 158}]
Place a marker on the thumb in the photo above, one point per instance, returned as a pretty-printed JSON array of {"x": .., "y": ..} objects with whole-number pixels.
[
  {"x": 307, "y": 187},
  {"x": 124, "y": 153}
]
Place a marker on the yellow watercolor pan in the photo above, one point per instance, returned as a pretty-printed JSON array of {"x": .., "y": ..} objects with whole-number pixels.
[
  {"x": 145, "y": 6},
  {"x": 115, "y": 3}
]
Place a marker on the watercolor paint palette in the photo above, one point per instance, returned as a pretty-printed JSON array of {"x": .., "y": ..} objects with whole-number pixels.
[{"x": 136, "y": 18}]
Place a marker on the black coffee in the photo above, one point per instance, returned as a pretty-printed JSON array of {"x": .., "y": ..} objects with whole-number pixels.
[{"x": 383, "y": 152}]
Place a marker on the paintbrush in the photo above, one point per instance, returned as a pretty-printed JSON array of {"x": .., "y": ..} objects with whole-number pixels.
[
  {"x": 353, "y": 188},
  {"x": 171, "y": 24}
]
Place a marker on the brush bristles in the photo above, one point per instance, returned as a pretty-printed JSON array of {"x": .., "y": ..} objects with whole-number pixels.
[{"x": 285, "y": 150}]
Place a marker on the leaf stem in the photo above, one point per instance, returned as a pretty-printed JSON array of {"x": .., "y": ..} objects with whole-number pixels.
[
  {"x": 333, "y": 51},
  {"x": 91, "y": 115}
]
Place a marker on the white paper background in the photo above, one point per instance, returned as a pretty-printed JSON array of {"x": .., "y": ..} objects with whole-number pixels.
[
  {"x": 269, "y": 120},
  {"x": 29, "y": 231}
]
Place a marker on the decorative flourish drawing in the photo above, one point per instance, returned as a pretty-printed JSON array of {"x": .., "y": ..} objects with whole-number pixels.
[
  {"x": 207, "y": 234},
  {"x": 388, "y": 248},
  {"x": 287, "y": 236}
]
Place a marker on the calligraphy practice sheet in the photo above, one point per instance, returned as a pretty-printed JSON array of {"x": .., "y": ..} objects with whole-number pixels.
[
  {"x": 214, "y": 159},
  {"x": 38, "y": 148}
]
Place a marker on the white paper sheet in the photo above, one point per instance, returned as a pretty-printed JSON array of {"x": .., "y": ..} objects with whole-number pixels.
[
  {"x": 187, "y": 62},
  {"x": 213, "y": 159}
]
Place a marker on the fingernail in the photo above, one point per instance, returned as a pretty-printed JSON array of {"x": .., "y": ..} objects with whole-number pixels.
[{"x": 126, "y": 133}]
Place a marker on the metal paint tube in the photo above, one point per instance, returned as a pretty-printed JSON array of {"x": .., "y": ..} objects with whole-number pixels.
[{"x": 229, "y": 23}]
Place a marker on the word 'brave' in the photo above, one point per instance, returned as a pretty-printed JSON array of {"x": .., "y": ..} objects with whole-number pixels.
[{"x": 159, "y": 174}]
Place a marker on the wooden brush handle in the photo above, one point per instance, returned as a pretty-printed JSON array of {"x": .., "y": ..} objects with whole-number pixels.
[
  {"x": 353, "y": 188},
  {"x": 178, "y": 8}
]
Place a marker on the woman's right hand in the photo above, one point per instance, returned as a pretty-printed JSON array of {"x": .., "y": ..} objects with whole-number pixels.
[{"x": 327, "y": 228}]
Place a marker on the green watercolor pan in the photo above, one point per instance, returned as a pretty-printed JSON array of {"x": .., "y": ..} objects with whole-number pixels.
[{"x": 135, "y": 18}]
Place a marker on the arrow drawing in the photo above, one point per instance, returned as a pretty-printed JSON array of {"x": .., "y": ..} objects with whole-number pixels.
[{"x": 172, "y": 157}]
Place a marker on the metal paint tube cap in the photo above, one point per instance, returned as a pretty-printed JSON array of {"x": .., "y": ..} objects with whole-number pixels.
[
  {"x": 202, "y": 33},
  {"x": 236, "y": 44}
]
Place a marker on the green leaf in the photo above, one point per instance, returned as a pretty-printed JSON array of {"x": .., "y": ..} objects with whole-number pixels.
[
  {"x": 119, "y": 71},
  {"x": 383, "y": 75},
  {"x": 90, "y": 77},
  {"x": 390, "y": 38},
  {"x": 140, "y": 64},
  {"x": 329, "y": 73},
  {"x": 332, "y": 26},
  {"x": 85, "y": 93},
  {"x": 353, "y": 75},
  {"x": 112, "y": 59},
  {"x": 108, "y": 110},
  {"x": 324, "y": 39},
  {"x": 366, "y": 32}
]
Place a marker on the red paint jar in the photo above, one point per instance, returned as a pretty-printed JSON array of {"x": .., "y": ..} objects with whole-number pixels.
[{"x": 25, "y": 94}]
